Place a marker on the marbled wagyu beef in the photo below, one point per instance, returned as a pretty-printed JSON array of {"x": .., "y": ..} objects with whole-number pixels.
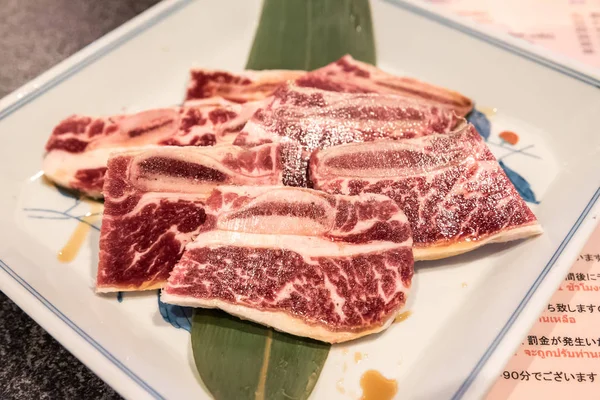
[
  {"x": 246, "y": 86},
  {"x": 317, "y": 118},
  {"x": 350, "y": 75},
  {"x": 329, "y": 267},
  {"x": 451, "y": 188},
  {"x": 79, "y": 147},
  {"x": 344, "y": 75},
  {"x": 155, "y": 204}
]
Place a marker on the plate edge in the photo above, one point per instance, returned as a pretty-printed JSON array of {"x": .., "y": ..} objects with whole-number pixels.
[
  {"x": 74, "y": 328},
  {"x": 566, "y": 243}
]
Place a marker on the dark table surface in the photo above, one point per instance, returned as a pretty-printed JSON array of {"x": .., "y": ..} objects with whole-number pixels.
[{"x": 34, "y": 36}]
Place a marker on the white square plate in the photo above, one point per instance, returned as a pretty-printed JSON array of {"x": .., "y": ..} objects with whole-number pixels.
[{"x": 468, "y": 312}]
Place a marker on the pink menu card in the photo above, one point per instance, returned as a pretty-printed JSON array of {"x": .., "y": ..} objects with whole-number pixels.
[
  {"x": 570, "y": 27},
  {"x": 560, "y": 357}
]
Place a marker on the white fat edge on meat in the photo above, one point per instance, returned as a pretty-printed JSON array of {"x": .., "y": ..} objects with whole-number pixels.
[
  {"x": 254, "y": 132},
  {"x": 275, "y": 224},
  {"x": 217, "y": 151},
  {"x": 61, "y": 166},
  {"x": 215, "y": 101},
  {"x": 210, "y": 157},
  {"x": 251, "y": 191},
  {"x": 274, "y": 193},
  {"x": 270, "y": 74},
  {"x": 248, "y": 92},
  {"x": 155, "y": 197},
  {"x": 281, "y": 223},
  {"x": 278, "y": 320},
  {"x": 311, "y": 246},
  {"x": 254, "y": 75},
  {"x": 378, "y": 79},
  {"x": 506, "y": 235}
]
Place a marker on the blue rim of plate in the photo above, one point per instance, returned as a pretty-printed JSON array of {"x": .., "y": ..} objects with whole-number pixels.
[{"x": 180, "y": 4}]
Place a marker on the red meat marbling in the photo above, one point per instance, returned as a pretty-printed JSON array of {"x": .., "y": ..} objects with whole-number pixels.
[
  {"x": 332, "y": 268},
  {"x": 453, "y": 191},
  {"x": 155, "y": 205},
  {"x": 80, "y": 144}
]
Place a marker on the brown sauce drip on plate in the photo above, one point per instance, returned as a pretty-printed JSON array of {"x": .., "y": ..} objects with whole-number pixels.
[
  {"x": 377, "y": 387},
  {"x": 403, "y": 316},
  {"x": 75, "y": 242}
]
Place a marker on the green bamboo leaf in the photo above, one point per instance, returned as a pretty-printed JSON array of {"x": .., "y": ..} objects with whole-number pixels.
[
  {"x": 308, "y": 34},
  {"x": 240, "y": 360}
]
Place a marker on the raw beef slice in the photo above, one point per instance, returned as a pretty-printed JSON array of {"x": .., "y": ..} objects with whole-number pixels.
[
  {"x": 246, "y": 86},
  {"x": 155, "y": 204},
  {"x": 317, "y": 118},
  {"x": 329, "y": 267},
  {"x": 350, "y": 75},
  {"x": 453, "y": 191},
  {"x": 344, "y": 75},
  {"x": 79, "y": 147}
]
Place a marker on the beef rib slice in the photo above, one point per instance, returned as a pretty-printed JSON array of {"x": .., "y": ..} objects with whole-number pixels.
[
  {"x": 317, "y": 118},
  {"x": 350, "y": 75},
  {"x": 451, "y": 188},
  {"x": 79, "y": 146},
  {"x": 155, "y": 204},
  {"x": 240, "y": 88},
  {"x": 328, "y": 267}
]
